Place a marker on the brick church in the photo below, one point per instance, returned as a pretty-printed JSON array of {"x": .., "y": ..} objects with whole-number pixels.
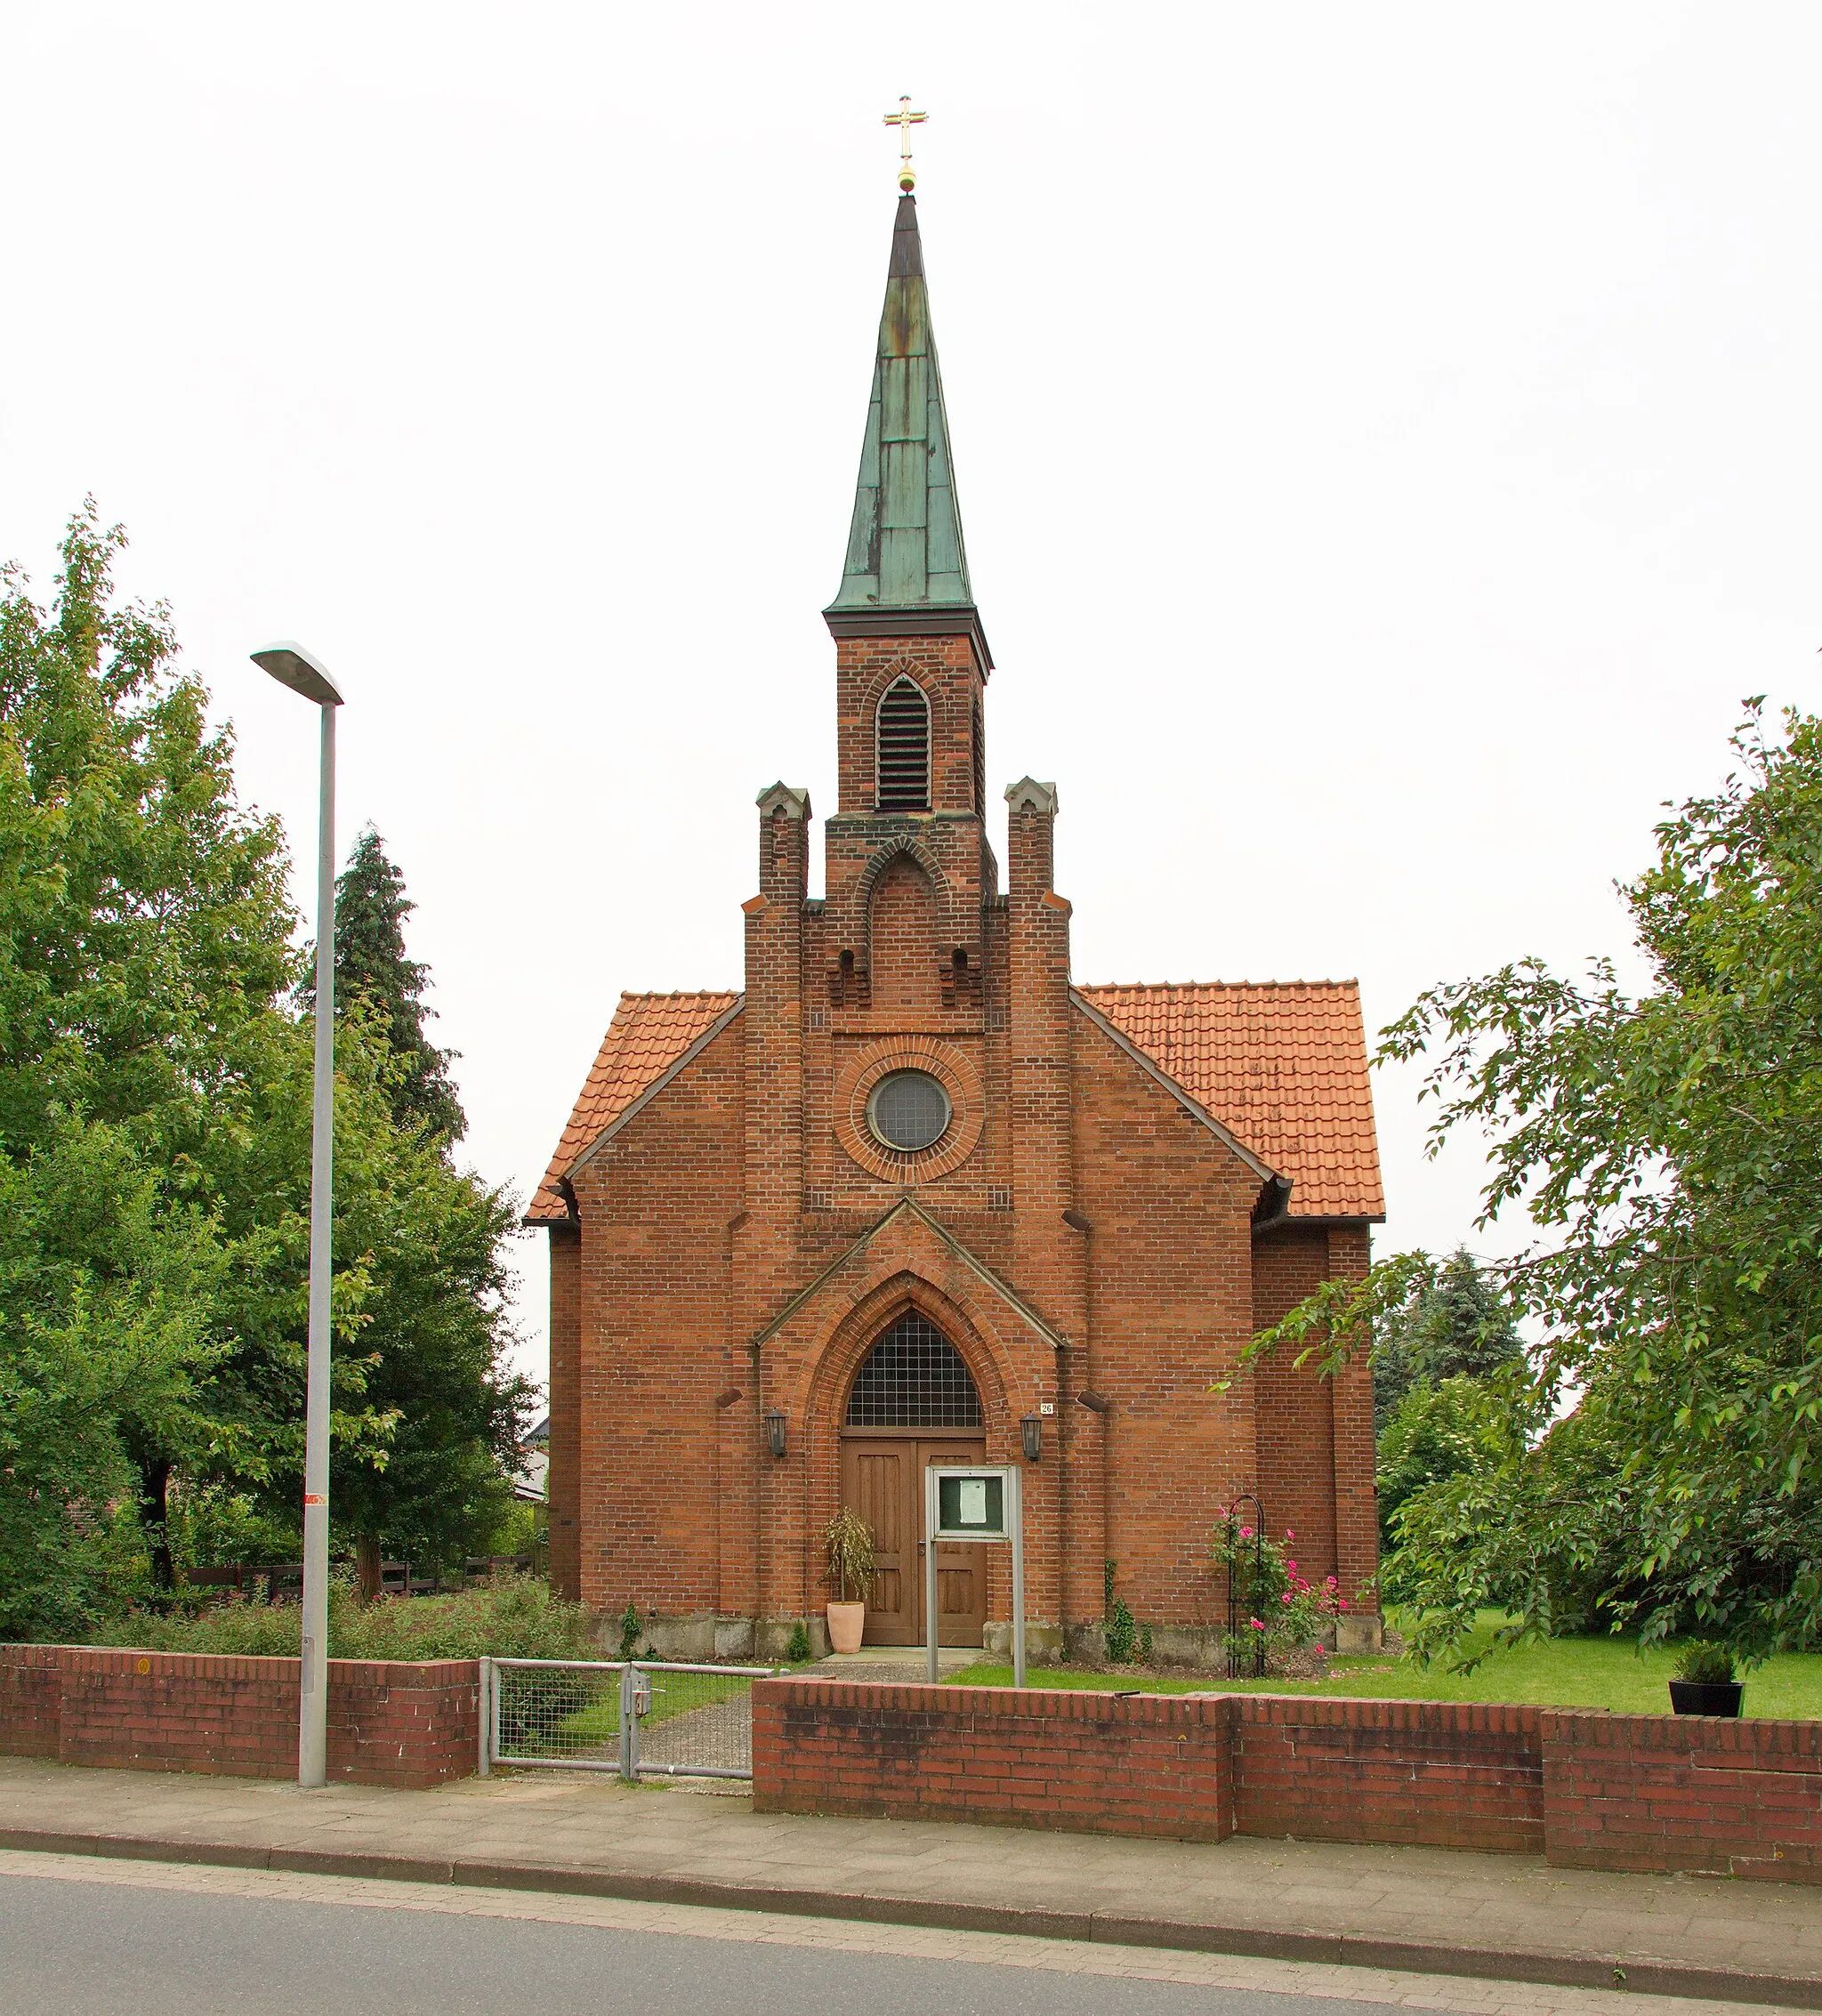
[{"x": 912, "y": 1194}]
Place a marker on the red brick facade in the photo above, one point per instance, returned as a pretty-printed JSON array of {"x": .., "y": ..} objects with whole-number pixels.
[
  {"x": 725, "y": 1242},
  {"x": 1127, "y": 1180}
]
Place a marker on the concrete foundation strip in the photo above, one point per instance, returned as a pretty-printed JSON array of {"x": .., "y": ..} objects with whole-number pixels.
[{"x": 1345, "y": 1949}]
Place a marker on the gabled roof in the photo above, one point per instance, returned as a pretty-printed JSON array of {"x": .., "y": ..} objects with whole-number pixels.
[
  {"x": 1279, "y": 1065},
  {"x": 1283, "y": 1064},
  {"x": 651, "y": 1036}
]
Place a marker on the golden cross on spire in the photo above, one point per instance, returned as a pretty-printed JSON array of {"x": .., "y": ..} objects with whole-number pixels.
[{"x": 905, "y": 118}]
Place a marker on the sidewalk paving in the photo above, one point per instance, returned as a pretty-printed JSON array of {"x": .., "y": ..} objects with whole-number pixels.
[{"x": 1429, "y": 1910}]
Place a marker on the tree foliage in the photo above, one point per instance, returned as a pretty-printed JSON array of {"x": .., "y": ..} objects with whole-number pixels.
[
  {"x": 144, "y": 947},
  {"x": 434, "y": 1341},
  {"x": 155, "y": 1110},
  {"x": 371, "y": 963},
  {"x": 1652, "y": 1462},
  {"x": 1457, "y": 1324},
  {"x": 434, "y": 1332}
]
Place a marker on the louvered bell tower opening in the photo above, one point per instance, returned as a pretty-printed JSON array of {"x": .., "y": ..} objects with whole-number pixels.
[{"x": 903, "y": 748}]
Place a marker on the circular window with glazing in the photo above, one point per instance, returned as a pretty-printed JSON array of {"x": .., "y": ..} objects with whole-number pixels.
[{"x": 908, "y": 1111}]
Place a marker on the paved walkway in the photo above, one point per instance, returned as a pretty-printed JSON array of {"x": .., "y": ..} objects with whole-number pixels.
[
  {"x": 891, "y": 1665},
  {"x": 1427, "y": 1909}
]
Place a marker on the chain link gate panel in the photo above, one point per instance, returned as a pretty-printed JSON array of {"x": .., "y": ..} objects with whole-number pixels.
[{"x": 635, "y": 1716}]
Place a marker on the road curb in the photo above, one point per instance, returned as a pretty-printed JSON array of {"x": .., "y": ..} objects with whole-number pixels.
[{"x": 1253, "y": 1942}]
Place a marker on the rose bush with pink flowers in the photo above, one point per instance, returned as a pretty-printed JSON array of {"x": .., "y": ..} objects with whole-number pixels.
[{"x": 1277, "y": 1601}]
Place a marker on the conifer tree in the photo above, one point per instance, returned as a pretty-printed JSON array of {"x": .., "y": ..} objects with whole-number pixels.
[
  {"x": 371, "y": 907},
  {"x": 436, "y": 1337},
  {"x": 1458, "y": 1324}
]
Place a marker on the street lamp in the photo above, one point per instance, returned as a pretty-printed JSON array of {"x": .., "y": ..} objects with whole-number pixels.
[{"x": 292, "y": 665}]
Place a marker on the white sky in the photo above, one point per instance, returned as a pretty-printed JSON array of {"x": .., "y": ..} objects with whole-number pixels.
[{"x": 1387, "y": 440}]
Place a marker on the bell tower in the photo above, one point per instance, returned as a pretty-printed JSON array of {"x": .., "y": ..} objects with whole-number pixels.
[{"x": 911, "y": 672}]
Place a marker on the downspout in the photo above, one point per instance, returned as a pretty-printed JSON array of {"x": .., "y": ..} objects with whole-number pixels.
[{"x": 1078, "y": 1221}]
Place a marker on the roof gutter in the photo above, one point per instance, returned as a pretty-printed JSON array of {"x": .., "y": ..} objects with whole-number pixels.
[{"x": 1274, "y": 1205}]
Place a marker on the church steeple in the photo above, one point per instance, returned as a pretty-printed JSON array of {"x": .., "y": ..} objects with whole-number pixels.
[{"x": 907, "y": 567}]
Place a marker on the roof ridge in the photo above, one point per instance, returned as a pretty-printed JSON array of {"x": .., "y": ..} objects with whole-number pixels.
[
  {"x": 679, "y": 993},
  {"x": 1199, "y": 987}
]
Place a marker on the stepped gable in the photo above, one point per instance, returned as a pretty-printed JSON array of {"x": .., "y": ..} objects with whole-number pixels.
[
  {"x": 649, "y": 1034},
  {"x": 1283, "y": 1064}
]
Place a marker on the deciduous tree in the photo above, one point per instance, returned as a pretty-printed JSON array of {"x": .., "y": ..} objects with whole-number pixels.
[{"x": 1667, "y": 1147}]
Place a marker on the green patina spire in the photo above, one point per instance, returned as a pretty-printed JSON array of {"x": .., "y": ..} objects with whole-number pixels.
[{"x": 905, "y": 550}]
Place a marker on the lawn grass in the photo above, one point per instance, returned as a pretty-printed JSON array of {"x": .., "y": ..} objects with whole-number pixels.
[
  {"x": 1568, "y": 1673},
  {"x": 672, "y": 1694}
]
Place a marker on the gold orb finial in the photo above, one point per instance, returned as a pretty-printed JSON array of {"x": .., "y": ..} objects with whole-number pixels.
[{"x": 905, "y": 118}]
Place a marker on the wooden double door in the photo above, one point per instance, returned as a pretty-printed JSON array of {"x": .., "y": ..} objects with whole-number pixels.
[{"x": 882, "y": 1480}]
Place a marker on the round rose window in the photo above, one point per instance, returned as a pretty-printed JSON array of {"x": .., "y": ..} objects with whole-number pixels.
[{"x": 908, "y": 1110}]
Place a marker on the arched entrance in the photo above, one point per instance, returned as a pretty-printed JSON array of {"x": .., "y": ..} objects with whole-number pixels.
[{"x": 913, "y": 1403}]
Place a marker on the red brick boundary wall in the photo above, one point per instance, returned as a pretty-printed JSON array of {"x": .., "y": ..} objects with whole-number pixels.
[
  {"x": 1585, "y": 1788},
  {"x": 1683, "y": 1791},
  {"x": 31, "y": 1691},
  {"x": 1440, "y": 1774},
  {"x": 1093, "y": 1763},
  {"x": 390, "y": 1723}
]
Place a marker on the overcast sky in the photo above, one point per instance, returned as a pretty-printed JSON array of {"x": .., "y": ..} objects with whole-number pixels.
[{"x": 1387, "y": 440}]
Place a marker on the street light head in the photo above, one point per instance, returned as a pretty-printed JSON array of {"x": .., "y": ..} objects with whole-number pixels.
[{"x": 292, "y": 665}]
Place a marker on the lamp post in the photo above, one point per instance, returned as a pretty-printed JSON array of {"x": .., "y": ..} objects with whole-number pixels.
[{"x": 292, "y": 665}]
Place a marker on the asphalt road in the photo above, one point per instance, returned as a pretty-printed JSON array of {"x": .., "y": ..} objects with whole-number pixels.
[{"x": 118, "y": 1949}]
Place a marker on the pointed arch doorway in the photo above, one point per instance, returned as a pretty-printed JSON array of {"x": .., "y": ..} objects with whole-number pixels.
[{"x": 913, "y": 1403}]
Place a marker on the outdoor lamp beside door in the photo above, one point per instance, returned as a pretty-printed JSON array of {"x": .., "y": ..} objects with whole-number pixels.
[
  {"x": 292, "y": 665},
  {"x": 774, "y": 1430},
  {"x": 1033, "y": 1428}
]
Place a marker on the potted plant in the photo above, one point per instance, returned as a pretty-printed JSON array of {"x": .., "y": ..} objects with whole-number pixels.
[
  {"x": 847, "y": 1546},
  {"x": 1705, "y": 1683}
]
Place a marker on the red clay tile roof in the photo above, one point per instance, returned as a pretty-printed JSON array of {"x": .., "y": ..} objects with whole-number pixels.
[
  {"x": 1282, "y": 1064},
  {"x": 649, "y": 1034}
]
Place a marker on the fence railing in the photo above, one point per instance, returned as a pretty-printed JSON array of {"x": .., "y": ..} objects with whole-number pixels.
[{"x": 637, "y": 1717}]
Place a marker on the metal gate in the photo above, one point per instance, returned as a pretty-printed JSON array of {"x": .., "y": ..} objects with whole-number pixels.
[{"x": 635, "y": 1716}]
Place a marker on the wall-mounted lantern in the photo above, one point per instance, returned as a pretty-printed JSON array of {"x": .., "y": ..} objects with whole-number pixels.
[
  {"x": 1033, "y": 1427},
  {"x": 774, "y": 1430}
]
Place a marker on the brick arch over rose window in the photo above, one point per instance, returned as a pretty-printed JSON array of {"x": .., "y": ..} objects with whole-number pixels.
[{"x": 947, "y": 1063}]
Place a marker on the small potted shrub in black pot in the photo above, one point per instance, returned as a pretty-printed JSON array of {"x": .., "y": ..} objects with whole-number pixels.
[{"x": 1705, "y": 1683}]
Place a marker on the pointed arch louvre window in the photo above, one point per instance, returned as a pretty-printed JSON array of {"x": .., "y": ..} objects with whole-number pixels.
[
  {"x": 903, "y": 748},
  {"x": 913, "y": 1377},
  {"x": 979, "y": 756}
]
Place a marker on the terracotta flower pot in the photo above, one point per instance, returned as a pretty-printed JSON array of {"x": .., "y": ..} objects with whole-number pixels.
[
  {"x": 847, "y": 1621},
  {"x": 1706, "y": 1698}
]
